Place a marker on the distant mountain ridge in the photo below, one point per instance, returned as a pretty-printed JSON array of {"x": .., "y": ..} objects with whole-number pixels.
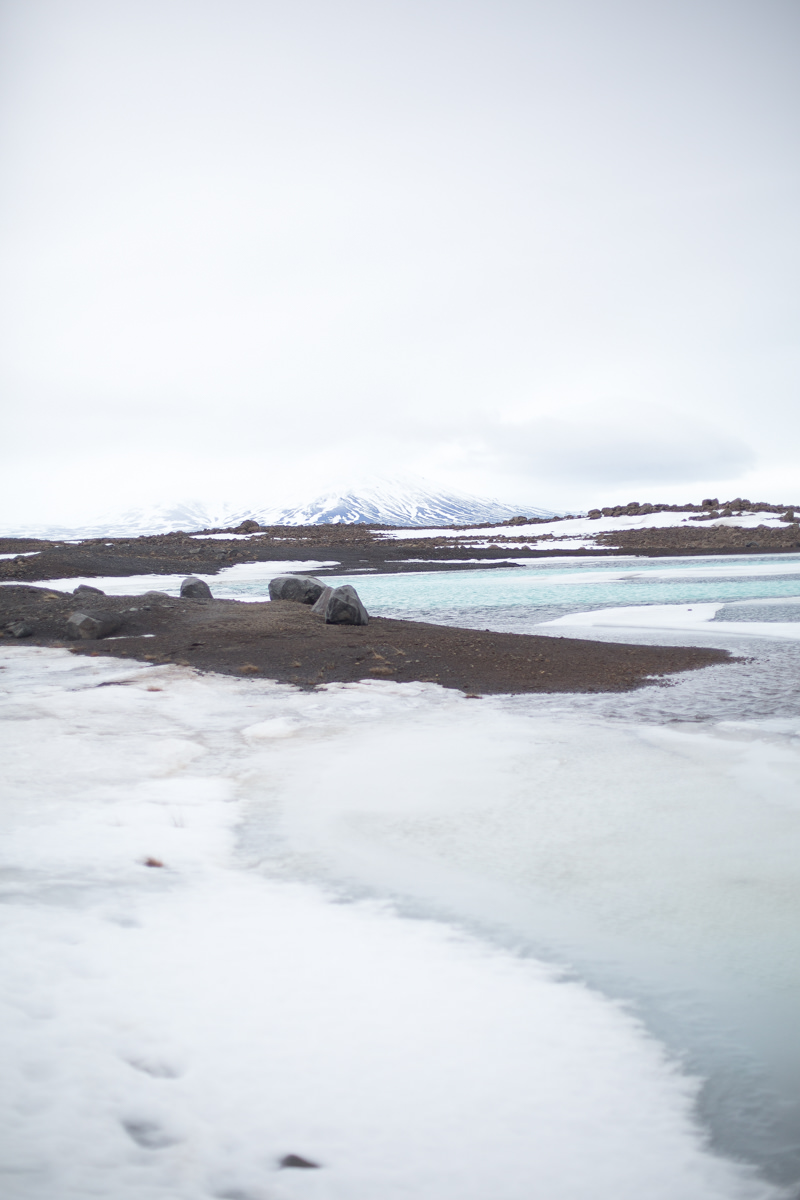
[
  {"x": 385, "y": 502},
  {"x": 398, "y": 504}
]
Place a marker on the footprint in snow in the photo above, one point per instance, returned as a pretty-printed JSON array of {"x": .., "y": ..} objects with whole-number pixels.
[{"x": 149, "y": 1134}]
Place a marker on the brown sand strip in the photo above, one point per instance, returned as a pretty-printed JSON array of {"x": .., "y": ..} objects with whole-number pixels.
[{"x": 284, "y": 641}]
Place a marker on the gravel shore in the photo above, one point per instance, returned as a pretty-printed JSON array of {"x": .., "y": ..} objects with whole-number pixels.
[{"x": 285, "y": 641}]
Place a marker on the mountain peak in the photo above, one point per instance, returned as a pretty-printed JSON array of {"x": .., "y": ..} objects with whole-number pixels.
[{"x": 406, "y": 502}]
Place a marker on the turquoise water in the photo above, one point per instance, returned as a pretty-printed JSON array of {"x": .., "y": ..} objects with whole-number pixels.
[
  {"x": 515, "y": 597},
  {"x": 518, "y": 598},
  {"x": 575, "y": 589}
]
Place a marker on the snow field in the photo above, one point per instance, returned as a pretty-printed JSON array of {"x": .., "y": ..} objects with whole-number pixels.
[
  {"x": 574, "y": 527},
  {"x": 173, "y": 1032}
]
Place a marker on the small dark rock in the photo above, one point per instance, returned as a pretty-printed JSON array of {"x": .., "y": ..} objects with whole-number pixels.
[
  {"x": 345, "y": 608},
  {"x": 247, "y": 527},
  {"x": 195, "y": 589},
  {"x": 83, "y": 589},
  {"x": 20, "y": 629},
  {"x": 94, "y": 625},
  {"x": 296, "y": 1160},
  {"x": 302, "y": 588}
]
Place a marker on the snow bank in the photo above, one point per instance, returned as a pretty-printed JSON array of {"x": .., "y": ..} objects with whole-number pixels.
[{"x": 173, "y": 1031}]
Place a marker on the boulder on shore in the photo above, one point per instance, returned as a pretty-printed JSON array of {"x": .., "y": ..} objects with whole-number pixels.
[
  {"x": 92, "y": 625},
  {"x": 321, "y": 603},
  {"x": 344, "y": 607},
  {"x": 195, "y": 589},
  {"x": 304, "y": 589}
]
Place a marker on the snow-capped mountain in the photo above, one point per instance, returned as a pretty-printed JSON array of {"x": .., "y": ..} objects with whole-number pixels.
[
  {"x": 160, "y": 518},
  {"x": 397, "y": 503},
  {"x": 380, "y": 502}
]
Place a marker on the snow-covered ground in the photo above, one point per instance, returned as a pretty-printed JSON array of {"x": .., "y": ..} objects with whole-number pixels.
[
  {"x": 579, "y": 532},
  {"x": 173, "y": 1031}
]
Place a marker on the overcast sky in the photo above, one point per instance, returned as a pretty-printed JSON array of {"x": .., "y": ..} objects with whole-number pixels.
[{"x": 546, "y": 251}]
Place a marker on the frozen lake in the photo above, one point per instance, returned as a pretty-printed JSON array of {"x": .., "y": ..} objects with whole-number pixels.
[{"x": 504, "y": 875}]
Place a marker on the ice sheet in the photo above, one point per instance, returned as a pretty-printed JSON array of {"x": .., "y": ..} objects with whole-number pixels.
[
  {"x": 694, "y": 617},
  {"x": 173, "y": 1031},
  {"x": 661, "y": 860}
]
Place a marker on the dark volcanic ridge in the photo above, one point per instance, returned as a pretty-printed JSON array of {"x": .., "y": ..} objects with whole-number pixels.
[{"x": 284, "y": 641}]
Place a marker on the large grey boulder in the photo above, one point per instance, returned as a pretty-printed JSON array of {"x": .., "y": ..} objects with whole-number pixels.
[
  {"x": 345, "y": 608},
  {"x": 83, "y": 589},
  {"x": 195, "y": 589},
  {"x": 321, "y": 603},
  {"x": 305, "y": 589},
  {"x": 92, "y": 625}
]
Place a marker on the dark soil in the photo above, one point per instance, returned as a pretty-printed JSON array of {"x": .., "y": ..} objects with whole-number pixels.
[
  {"x": 353, "y": 548},
  {"x": 283, "y": 640},
  {"x": 705, "y": 539}
]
